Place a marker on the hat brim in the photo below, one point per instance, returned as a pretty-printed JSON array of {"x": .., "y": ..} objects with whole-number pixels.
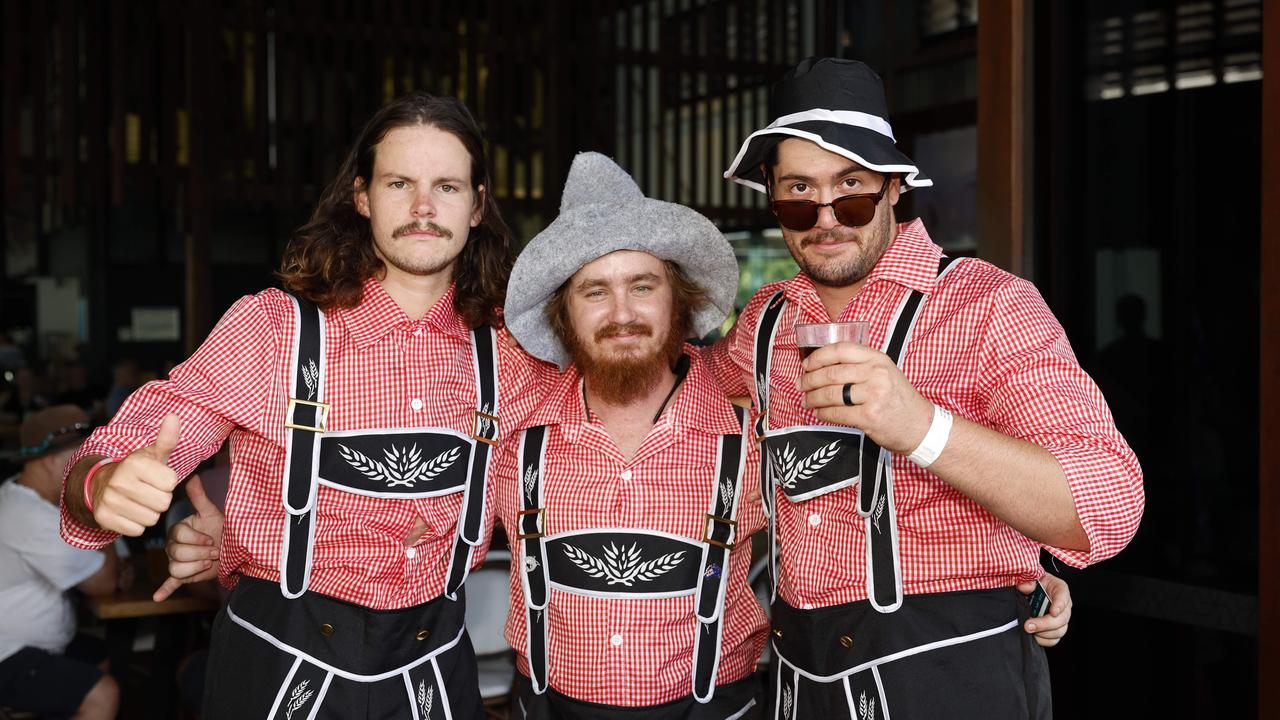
[
  {"x": 864, "y": 146},
  {"x": 581, "y": 235}
]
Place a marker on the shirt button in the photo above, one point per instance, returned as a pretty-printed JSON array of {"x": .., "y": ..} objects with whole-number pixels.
[
  {"x": 411, "y": 552},
  {"x": 626, "y": 476},
  {"x": 416, "y": 403},
  {"x": 419, "y": 332},
  {"x": 808, "y": 606},
  {"x": 815, "y": 519},
  {"x": 616, "y": 640}
]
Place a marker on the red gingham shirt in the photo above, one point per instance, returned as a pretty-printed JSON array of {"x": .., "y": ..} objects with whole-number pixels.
[
  {"x": 383, "y": 370},
  {"x": 985, "y": 347},
  {"x": 666, "y": 486}
]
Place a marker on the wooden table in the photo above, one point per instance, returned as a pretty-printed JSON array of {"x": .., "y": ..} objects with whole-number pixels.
[
  {"x": 136, "y": 603},
  {"x": 176, "y": 627}
]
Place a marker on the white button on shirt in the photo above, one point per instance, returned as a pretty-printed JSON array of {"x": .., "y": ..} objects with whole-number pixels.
[
  {"x": 416, "y": 403},
  {"x": 411, "y": 552},
  {"x": 616, "y": 640},
  {"x": 815, "y": 519},
  {"x": 626, "y": 476}
]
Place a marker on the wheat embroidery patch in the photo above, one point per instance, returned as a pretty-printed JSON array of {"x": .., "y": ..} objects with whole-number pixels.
[
  {"x": 310, "y": 375},
  {"x": 403, "y": 467},
  {"x": 786, "y": 702},
  {"x": 787, "y": 472},
  {"x": 866, "y": 710},
  {"x": 530, "y": 563},
  {"x": 622, "y": 566},
  {"x": 297, "y": 698},
  {"x": 483, "y": 423},
  {"x": 726, "y": 493},
  {"x": 425, "y": 697},
  {"x": 530, "y": 479},
  {"x": 875, "y": 517}
]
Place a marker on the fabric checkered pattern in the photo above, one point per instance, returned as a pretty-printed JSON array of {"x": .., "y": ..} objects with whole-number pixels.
[
  {"x": 383, "y": 370},
  {"x": 665, "y": 486},
  {"x": 985, "y": 347}
]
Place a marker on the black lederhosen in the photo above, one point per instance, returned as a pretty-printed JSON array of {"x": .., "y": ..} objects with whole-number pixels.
[
  {"x": 632, "y": 563},
  {"x": 284, "y": 651}
]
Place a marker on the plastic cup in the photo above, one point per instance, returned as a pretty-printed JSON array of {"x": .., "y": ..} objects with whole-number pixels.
[{"x": 811, "y": 336}]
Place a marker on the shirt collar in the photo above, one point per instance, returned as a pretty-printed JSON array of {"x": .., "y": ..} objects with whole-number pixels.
[
  {"x": 377, "y": 314},
  {"x": 700, "y": 405},
  {"x": 911, "y": 260}
]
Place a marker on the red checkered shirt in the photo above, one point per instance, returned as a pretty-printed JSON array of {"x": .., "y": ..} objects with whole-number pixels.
[
  {"x": 383, "y": 370},
  {"x": 985, "y": 347},
  {"x": 634, "y": 652}
]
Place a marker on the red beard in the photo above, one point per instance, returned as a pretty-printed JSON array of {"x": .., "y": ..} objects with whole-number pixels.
[{"x": 627, "y": 378}]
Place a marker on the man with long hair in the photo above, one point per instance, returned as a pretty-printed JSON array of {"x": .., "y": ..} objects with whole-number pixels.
[{"x": 361, "y": 404}]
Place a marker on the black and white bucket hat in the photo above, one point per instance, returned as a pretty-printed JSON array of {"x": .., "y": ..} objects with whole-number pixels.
[{"x": 838, "y": 105}]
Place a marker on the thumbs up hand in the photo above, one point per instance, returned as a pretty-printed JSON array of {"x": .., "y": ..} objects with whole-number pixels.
[
  {"x": 194, "y": 543},
  {"x": 129, "y": 496}
]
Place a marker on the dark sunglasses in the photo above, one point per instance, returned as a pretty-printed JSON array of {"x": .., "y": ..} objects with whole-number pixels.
[{"x": 850, "y": 210}]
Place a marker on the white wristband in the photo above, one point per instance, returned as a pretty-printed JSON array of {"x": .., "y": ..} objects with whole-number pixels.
[{"x": 935, "y": 440}]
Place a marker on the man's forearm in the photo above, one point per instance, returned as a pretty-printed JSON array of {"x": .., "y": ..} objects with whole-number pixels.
[
  {"x": 1017, "y": 481},
  {"x": 73, "y": 491}
]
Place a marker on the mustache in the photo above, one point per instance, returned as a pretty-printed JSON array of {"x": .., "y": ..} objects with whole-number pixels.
[
  {"x": 835, "y": 233},
  {"x": 427, "y": 226},
  {"x": 617, "y": 329}
]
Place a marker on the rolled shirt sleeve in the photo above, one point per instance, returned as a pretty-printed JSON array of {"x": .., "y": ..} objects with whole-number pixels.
[
  {"x": 211, "y": 393},
  {"x": 1037, "y": 391}
]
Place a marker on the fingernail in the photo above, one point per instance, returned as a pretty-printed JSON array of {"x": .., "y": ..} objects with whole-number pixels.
[{"x": 1031, "y": 627}]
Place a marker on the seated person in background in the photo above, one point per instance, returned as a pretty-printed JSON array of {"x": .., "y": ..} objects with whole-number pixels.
[{"x": 44, "y": 667}]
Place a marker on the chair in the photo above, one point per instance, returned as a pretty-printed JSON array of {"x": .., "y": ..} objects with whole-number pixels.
[{"x": 488, "y": 598}]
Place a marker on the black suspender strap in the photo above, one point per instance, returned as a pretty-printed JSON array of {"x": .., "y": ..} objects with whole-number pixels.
[
  {"x": 880, "y": 523},
  {"x": 484, "y": 347},
  {"x": 719, "y": 535},
  {"x": 305, "y": 419},
  {"x": 531, "y": 526},
  {"x": 762, "y": 363}
]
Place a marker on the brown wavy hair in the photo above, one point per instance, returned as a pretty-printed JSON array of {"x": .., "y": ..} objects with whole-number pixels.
[{"x": 329, "y": 258}]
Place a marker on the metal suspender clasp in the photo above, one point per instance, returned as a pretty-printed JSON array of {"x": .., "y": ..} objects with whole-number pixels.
[
  {"x": 482, "y": 422},
  {"x": 541, "y": 523},
  {"x": 322, "y": 415},
  {"x": 709, "y": 528}
]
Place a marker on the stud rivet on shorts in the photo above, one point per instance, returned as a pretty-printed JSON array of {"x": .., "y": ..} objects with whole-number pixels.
[
  {"x": 326, "y": 629},
  {"x": 423, "y": 634},
  {"x": 777, "y": 633},
  {"x": 846, "y": 641}
]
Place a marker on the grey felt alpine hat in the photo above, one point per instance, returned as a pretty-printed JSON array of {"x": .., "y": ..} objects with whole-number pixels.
[{"x": 602, "y": 211}]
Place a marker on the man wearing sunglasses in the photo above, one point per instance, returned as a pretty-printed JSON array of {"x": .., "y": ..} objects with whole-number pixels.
[{"x": 911, "y": 482}]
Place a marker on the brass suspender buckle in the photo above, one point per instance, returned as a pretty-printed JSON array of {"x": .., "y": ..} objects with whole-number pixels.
[
  {"x": 481, "y": 420},
  {"x": 322, "y": 415},
  {"x": 542, "y": 523},
  {"x": 756, "y": 416},
  {"x": 709, "y": 526}
]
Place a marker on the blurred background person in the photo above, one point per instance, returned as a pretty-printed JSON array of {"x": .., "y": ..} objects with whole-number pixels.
[{"x": 45, "y": 667}]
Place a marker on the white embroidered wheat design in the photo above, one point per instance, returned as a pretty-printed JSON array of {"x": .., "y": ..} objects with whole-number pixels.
[
  {"x": 402, "y": 468},
  {"x": 298, "y": 697},
  {"x": 762, "y": 389},
  {"x": 622, "y": 566},
  {"x": 726, "y": 493},
  {"x": 310, "y": 374},
  {"x": 483, "y": 423},
  {"x": 530, "y": 563},
  {"x": 786, "y": 702},
  {"x": 425, "y": 697},
  {"x": 787, "y": 472},
  {"x": 866, "y": 710},
  {"x": 875, "y": 517},
  {"x": 530, "y": 478}
]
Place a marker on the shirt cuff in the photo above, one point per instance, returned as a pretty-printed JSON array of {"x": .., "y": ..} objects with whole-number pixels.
[
  {"x": 86, "y": 538},
  {"x": 1107, "y": 490}
]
